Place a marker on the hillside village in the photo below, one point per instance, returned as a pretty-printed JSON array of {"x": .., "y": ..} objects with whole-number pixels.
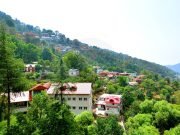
[
  {"x": 50, "y": 84},
  {"x": 75, "y": 94}
]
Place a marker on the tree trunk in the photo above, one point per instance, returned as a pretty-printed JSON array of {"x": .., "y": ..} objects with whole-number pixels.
[
  {"x": 9, "y": 102},
  {"x": 8, "y": 115}
]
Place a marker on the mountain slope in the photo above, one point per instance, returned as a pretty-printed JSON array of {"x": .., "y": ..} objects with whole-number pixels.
[
  {"x": 96, "y": 56},
  {"x": 175, "y": 67}
]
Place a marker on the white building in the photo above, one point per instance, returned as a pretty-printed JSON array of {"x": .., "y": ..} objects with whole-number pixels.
[
  {"x": 109, "y": 104},
  {"x": 78, "y": 95},
  {"x": 73, "y": 72},
  {"x": 19, "y": 101}
]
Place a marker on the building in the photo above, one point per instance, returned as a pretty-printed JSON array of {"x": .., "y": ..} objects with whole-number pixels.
[
  {"x": 19, "y": 101},
  {"x": 30, "y": 67},
  {"x": 78, "y": 95},
  {"x": 39, "y": 88},
  {"x": 73, "y": 72},
  {"x": 109, "y": 104}
]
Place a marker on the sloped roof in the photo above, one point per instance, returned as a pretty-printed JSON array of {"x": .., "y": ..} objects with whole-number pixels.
[
  {"x": 80, "y": 88},
  {"x": 19, "y": 97},
  {"x": 39, "y": 87},
  {"x": 109, "y": 98}
]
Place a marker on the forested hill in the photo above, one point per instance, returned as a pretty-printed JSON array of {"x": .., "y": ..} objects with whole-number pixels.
[{"x": 96, "y": 56}]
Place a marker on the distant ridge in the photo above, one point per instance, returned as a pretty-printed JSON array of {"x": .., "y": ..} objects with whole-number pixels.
[{"x": 175, "y": 67}]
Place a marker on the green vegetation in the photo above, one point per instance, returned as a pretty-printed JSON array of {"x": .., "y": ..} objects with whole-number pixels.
[
  {"x": 151, "y": 107},
  {"x": 11, "y": 76},
  {"x": 108, "y": 59}
]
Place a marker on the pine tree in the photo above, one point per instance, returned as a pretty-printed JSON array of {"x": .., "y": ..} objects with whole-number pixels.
[{"x": 11, "y": 69}]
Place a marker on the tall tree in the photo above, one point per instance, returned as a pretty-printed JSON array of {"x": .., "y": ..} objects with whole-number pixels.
[
  {"x": 109, "y": 126},
  {"x": 46, "y": 116},
  {"x": 47, "y": 54},
  {"x": 62, "y": 73},
  {"x": 75, "y": 60},
  {"x": 10, "y": 69}
]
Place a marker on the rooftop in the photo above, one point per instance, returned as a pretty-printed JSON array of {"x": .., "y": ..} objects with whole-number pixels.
[
  {"x": 38, "y": 87},
  {"x": 79, "y": 88},
  {"x": 19, "y": 97},
  {"x": 109, "y": 98}
]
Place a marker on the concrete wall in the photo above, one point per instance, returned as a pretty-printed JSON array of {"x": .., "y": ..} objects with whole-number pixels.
[{"x": 79, "y": 103}]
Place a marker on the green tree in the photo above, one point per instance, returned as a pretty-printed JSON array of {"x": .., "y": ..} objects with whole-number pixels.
[
  {"x": 47, "y": 54},
  {"x": 46, "y": 117},
  {"x": 127, "y": 97},
  {"x": 145, "y": 130},
  {"x": 109, "y": 126},
  {"x": 139, "y": 120},
  {"x": 147, "y": 106},
  {"x": 165, "y": 116},
  {"x": 122, "y": 80},
  {"x": 11, "y": 75},
  {"x": 173, "y": 131},
  {"x": 92, "y": 130},
  {"x": 84, "y": 120},
  {"x": 62, "y": 71},
  {"x": 75, "y": 60}
]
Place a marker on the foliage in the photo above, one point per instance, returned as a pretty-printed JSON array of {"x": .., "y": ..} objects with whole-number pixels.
[
  {"x": 45, "y": 116},
  {"x": 92, "y": 130},
  {"x": 109, "y": 126},
  {"x": 109, "y": 59},
  {"x": 123, "y": 81},
  {"x": 74, "y": 60},
  {"x": 173, "y": 131},
  {"x": 84, "y": 120},
  {"x": 47, "y": 54},
  {"x": 145, "y": 130},
  {"x": 147, "y": 106},
  {"x": 177, "y": 95},
  {"x": 62, "y": 71},
  {"x": 11, "y": 77}
]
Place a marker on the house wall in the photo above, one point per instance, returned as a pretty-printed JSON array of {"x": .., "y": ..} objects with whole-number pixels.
[
  {"x": 113, "y": 109},
  {"x": 19, "y": 107},
  {"x": 79, "y": 103}
]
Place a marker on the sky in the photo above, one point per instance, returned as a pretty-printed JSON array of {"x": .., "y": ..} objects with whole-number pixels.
[{"x": 146, "y": 29}]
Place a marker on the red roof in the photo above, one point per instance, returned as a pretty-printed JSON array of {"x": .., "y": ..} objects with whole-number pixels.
[
  {"x": 39, "y": 87},
  {"x": 113, "y": 100}
]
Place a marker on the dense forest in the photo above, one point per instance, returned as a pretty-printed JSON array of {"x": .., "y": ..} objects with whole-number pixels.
[{"x": 151, "y": 107}]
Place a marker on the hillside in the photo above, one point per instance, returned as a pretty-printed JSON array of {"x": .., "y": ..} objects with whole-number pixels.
[
  {"x": 96, "y": 56},
  {"x": 175, "y": 67}
]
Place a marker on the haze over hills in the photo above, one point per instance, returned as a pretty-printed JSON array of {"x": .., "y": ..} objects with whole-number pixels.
[
  {"x": 175, "y": 67},
  {"x": 107, "y": 59}
]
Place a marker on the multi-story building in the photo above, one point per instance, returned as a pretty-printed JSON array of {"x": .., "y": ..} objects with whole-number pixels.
[
  {"x": 109, "y": 104},
  {"x": 77, "y": 95}
]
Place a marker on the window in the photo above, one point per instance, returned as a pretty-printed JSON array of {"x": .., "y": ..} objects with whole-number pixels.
[
  {"x": 80, "y": 108},
  {"x": 85, "y": 108},
  {"x": 73, "y": 107},
  {"x": 69, "y": 98},
  {"x": 74, "y": 98},
  {"x": 80, "y": 99},
  {"x": 85, "y": 99}
]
